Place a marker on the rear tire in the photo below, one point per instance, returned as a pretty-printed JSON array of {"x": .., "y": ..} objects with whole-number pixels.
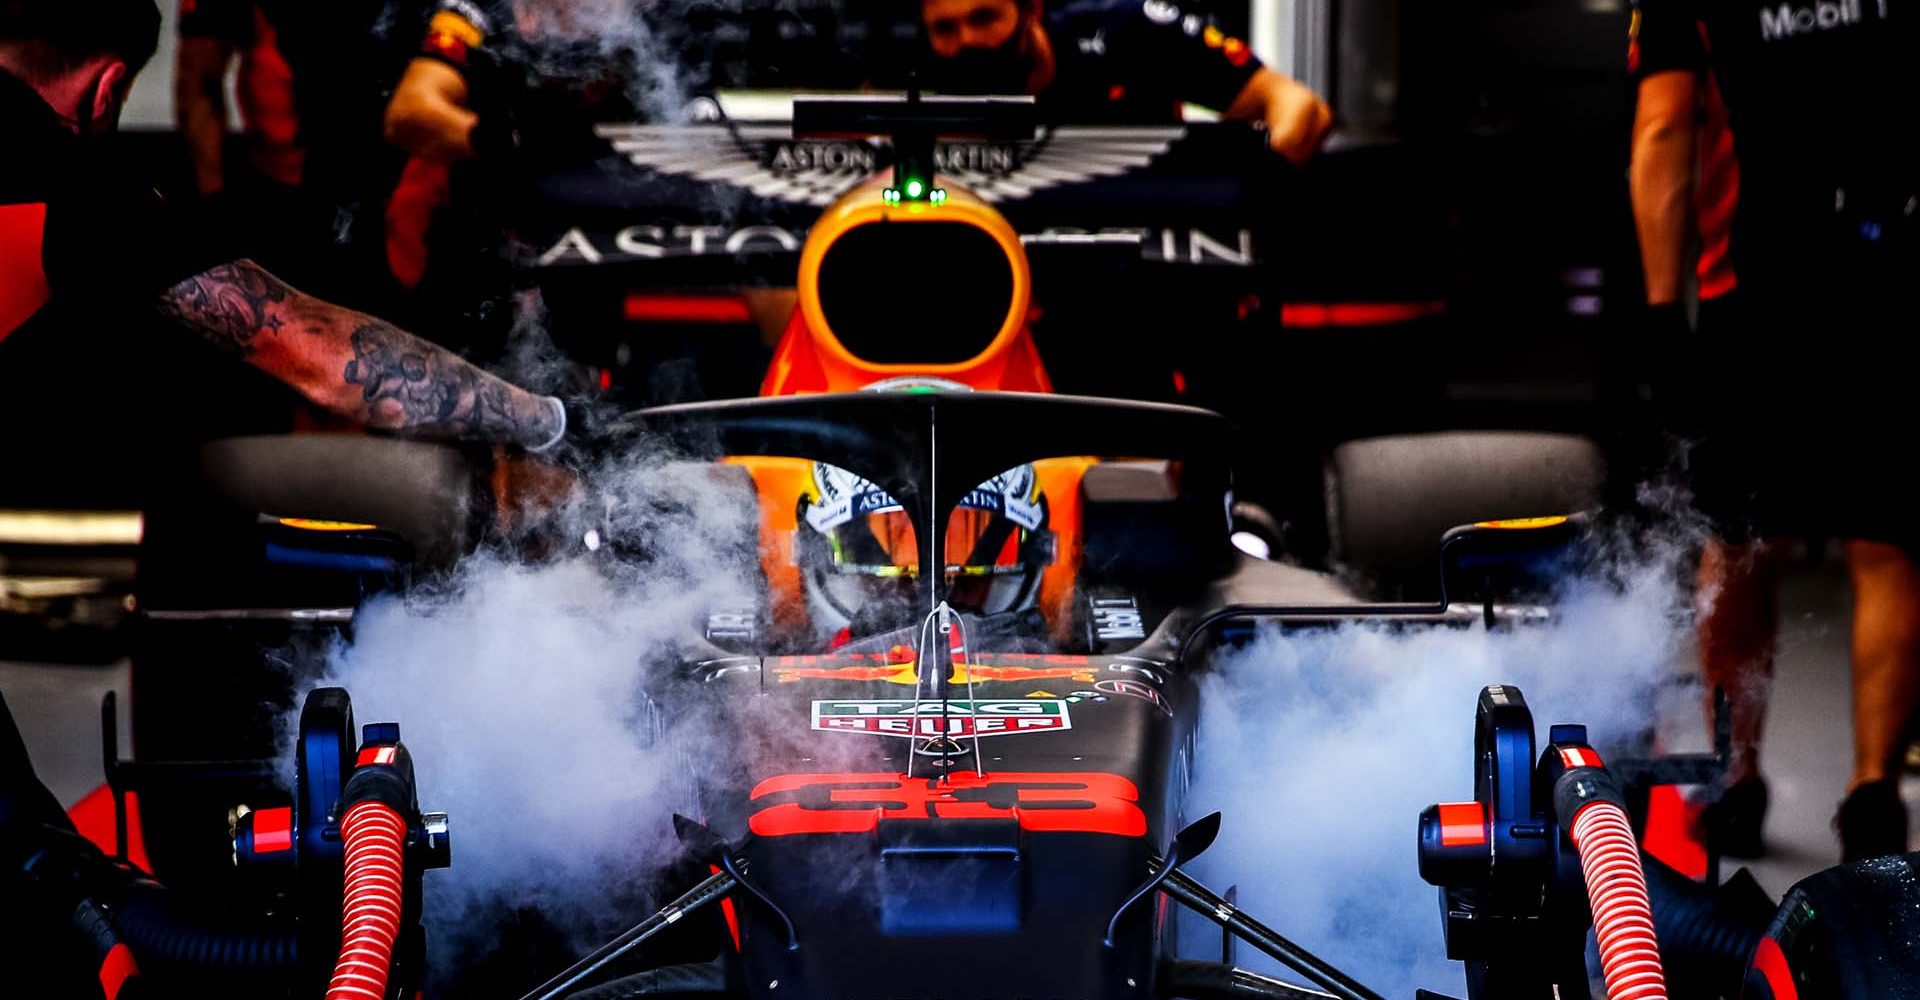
[{"x": 1846, "y": 933}]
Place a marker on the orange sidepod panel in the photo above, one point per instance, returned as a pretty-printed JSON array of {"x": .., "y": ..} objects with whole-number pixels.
[
  {"x": 780, "y": 482},
  {"x": 815, "y": 357}
]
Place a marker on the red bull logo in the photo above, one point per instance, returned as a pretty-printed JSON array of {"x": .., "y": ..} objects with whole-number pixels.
[{"x": 955, "y": 719}]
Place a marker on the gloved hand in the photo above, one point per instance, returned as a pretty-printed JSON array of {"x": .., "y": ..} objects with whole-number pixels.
[
  {"x": 563, "y": 422},
  {"x": 582, "y": 423},
  {"x": 534, "y": 487}
]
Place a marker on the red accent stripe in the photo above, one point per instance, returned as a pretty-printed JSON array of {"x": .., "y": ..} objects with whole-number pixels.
[
  {"x": 421, "y": 190},
  {"x": 1462, "y": 824},
  {"x": 1580, "y": 757},
  {"x": 92, "y": 816},
  {"x": 1318, "y": 315},
  {"x": 727, "y": 911},
  {"x": 273, "y": 830},
  {"x": 116, "y": 969},
  {"x": 1716, "y": 194},
  {"x": 1771, "y": 963},
  {"x": 646, "y": 308},
  {"x": 1671, "y": 832},
  {"x": 23, "y": 274},
  {"x": 375, "y": 755}
]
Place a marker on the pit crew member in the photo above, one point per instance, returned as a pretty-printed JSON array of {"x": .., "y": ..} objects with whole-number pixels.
[
  {"x": 498, "y": 90},
  {"x": 65, "y": 70},
  {"x": 1807, "y": 402},
  {"x": 310, "y": 89},
  {"x": 1134, "y": 61},
  {"x": 1683, "y": 167}
]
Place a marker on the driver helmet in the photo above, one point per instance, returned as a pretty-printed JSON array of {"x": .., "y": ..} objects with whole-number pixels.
[{"x": 860, "y": 552}]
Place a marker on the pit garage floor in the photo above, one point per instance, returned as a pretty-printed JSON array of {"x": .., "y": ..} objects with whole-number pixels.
[{"x": 1808, "y": 755}]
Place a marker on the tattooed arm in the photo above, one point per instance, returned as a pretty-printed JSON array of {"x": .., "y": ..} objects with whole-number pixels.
[{"x": 356, "y": 365}]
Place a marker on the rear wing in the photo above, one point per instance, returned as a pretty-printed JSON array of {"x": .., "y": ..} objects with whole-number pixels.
[
  {"x": 914, "y": 124},
  {"x": 988, "y": 119}
]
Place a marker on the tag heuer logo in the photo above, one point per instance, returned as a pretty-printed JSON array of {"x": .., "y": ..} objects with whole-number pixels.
[{"x": 961, "y": 719}]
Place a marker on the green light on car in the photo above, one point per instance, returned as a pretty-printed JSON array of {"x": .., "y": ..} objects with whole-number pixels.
[{"x": 915, "y": 189}]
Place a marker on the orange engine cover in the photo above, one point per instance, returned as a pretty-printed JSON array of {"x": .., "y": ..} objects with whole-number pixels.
[{"x": 866, "y": 315}]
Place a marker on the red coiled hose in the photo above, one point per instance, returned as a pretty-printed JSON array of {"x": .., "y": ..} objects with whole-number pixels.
[
  {"x": 1622, "y": 914},
  {"x": 375, "y": 836}
]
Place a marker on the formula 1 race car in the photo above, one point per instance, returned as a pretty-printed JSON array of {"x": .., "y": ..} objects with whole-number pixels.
[{"x": 964, "y": 783}]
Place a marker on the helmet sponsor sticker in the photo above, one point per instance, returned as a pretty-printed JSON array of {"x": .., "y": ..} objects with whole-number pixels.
[
  {"x": 843, "y": 496},
  {"x": 955, "y": 718},
  {"x": 840, "y": 496}
]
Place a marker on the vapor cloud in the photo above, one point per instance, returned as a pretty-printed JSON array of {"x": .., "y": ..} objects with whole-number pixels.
[
  {"x": 525, "y": 695},
  {"x": 1321, "y": 749}
]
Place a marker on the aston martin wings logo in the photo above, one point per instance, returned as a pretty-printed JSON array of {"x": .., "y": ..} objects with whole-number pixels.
[{"x": 767, "y": 161}]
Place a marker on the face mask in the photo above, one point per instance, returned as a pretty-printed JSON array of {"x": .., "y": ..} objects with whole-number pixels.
[{"x": 1003, "y": 69}]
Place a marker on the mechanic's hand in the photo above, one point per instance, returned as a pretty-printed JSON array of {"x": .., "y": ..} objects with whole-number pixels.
[{"x": 1297, "y": 121}]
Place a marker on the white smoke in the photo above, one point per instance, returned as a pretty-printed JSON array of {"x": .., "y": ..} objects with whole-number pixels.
[
  {"x": 619, "y": 33},
  {"x": 522, "y": 693},
  {"x": 1321, "y": 749}
]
